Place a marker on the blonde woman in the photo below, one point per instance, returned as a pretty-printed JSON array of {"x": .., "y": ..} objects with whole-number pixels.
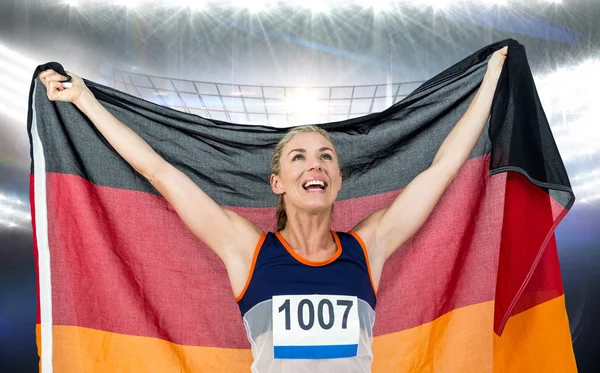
[{"x": 307, "y": 294}]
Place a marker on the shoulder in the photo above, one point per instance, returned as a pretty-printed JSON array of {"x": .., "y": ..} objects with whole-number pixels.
[
  {"x": 351, "y": 242},
  {"x": 349, "y": 238},
  {"x": 365, "y": 236}
]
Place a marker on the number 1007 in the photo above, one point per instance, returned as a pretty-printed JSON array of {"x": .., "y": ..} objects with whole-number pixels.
[{"x": 306, "y": 313}]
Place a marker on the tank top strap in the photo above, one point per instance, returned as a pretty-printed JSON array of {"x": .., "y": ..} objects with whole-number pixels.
[{"x": 355, "y": 248}]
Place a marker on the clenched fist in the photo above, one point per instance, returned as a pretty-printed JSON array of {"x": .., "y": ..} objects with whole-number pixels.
[
  {"x": 57, "y": 92},
  {"x": 494, "y": 66}
]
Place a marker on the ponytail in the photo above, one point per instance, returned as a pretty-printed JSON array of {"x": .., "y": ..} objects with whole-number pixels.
[{"x": 281, "y": 214}]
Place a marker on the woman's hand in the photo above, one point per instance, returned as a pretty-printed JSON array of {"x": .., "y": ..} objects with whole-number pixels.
[
  {"x": 494, "y": 67},
  {"x": 55, "y": 90}
]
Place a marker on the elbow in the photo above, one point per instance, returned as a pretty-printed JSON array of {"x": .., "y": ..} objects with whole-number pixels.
[
  {"x": 451, "y": 177},
  {"x": 154, "y": 172},
  {"x": 447, "y": 170},
  {"x": 451, "y": 174},
  {"x": 148, "y": 174}
]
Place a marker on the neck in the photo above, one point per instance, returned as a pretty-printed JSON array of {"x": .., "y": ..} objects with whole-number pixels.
[{"x": 309, "y": 234}]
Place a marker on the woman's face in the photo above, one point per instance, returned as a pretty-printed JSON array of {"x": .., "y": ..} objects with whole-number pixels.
[{"x": 309, "y": 174}]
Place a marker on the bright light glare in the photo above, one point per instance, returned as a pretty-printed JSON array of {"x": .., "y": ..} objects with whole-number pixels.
[
  {"x": 572, "y": 93},
  {"x": 129, "y": 4},
  {"x": 19, "y": 78},
  {"x": 253, "y": 6},
  {"x": 316, "y": 6},
  {"x": 591, "y": 186},
  {"x": 592, "y": 174},
  {"x": 13, "y": 212},
  {"x": 15, "y": 101},
  {"x": 381, "y": 5},
  {"x": 8, "y": 223},
  {"x": 13, "y": 94},
  {"x": 570, "y": 97},
  {"x": 197, "y": 5},
  {"x": 303, "y": 107},
  {"x": 17, "y": 115},
  {"x": 437, "y": 4},
  {"x": 9, "y": 53},
  {"x": 591, "y": 198},
  {"x": 191, "y": 4},
  {"x": 16, "y": 87}
]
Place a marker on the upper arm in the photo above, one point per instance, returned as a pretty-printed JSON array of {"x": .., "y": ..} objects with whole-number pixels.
[
  {"x": 228, "y": 234},
  {"x": 387, "y": 229}
]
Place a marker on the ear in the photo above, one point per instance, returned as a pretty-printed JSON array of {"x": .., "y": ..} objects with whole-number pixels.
[{"x": 276, "y": 186}]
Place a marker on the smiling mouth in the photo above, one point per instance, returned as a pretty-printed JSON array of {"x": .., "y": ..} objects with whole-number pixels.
[{"x": 314, "y": 185}]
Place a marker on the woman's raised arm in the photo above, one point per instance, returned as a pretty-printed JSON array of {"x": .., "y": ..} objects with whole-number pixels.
[
  {"x": 228, "y": 234},
  {"x": 387, "y": 229}
]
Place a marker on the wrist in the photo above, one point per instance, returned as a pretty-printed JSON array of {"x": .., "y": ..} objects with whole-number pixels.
[
  {"x": 490, "y": 79},
  {"x": 84, "y": 99}
]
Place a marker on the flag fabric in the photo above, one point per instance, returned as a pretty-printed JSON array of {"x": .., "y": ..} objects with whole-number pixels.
[{"x": 124, "y": 286}]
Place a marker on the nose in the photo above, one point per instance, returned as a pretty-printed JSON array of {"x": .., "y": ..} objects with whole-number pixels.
[{"x": 315, "y": 166}]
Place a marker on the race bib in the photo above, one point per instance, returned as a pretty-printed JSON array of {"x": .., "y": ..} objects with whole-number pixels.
[{"x": 315, "y": 326}]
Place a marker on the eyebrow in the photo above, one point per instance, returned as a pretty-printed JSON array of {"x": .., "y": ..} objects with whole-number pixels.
[{"x": 304, "y": 151}]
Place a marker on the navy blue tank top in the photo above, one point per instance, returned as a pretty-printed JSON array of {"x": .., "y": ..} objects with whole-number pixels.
[{"x": 300, "y": 314}]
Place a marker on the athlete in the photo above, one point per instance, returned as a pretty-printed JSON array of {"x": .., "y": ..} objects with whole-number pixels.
[{"x": 307, "y": 294}]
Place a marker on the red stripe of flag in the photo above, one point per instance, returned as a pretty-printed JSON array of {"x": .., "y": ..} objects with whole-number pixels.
[
  {"x": 529, "y": 271},
  {"x": 122, "y": 261}
]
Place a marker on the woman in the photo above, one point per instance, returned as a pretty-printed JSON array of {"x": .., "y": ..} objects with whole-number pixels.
[{"x": 307, "y": 294}]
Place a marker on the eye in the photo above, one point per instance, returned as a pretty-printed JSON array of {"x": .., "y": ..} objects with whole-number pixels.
[
  {"x": 326, "y": 156},
  {"x": 298, "y": 157}
]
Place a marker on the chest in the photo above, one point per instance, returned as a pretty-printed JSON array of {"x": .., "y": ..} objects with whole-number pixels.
[
  {"x": 279, "y": 276},
  {"x": 277, "y": 273}
]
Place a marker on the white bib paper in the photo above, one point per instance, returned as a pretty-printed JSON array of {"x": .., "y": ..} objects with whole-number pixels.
[{"x": 315, "y": 326}]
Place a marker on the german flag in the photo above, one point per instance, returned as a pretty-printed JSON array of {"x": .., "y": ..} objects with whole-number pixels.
[{"x": 124, "y": 286}]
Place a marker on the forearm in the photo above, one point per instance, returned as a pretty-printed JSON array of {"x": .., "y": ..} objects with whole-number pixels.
[
  {"x": 124, "y": 140},
  {"x": 459, "y": 143}
]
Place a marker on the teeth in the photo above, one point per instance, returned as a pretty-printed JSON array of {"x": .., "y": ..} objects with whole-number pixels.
[{"x": 314, "y": 182}]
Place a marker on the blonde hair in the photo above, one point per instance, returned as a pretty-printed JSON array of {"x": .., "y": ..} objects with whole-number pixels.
[{"x": 275, "y": 165}]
